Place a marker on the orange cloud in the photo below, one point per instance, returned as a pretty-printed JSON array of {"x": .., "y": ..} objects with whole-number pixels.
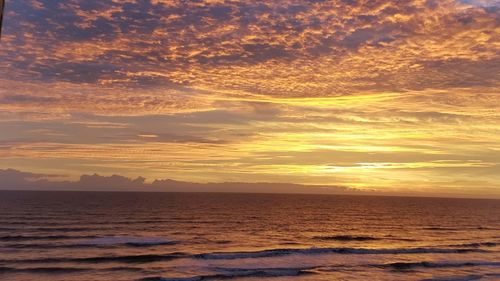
[{"x": 315, "y": 92}]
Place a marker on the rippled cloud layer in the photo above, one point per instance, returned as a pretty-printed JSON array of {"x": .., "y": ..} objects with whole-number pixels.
[{"x": 385, "y": 95}]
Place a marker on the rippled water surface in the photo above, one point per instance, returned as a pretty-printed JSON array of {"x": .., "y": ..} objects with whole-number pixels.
[{"x": 196, "y": 236}]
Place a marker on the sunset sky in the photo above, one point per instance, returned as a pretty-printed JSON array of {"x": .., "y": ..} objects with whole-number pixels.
[{"x": 383, "y": 95}]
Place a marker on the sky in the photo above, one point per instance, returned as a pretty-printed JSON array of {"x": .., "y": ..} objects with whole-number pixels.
[{"x": 383, "y": 95}]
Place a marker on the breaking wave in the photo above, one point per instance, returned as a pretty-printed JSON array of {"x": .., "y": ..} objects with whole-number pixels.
[
  {"x": 426, "y": 264},
  {"x": 309, "y": 251},
  {"x": 239, "y": 273}
]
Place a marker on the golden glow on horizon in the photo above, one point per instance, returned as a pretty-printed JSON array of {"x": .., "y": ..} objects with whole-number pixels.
[{"x": 369, "y": 94}]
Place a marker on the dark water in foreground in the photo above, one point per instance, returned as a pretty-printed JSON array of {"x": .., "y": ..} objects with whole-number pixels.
[{"x": 173, "y": 236}]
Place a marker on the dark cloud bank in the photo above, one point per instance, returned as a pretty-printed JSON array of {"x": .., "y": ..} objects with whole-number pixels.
[{"x": 11, "y": 179}]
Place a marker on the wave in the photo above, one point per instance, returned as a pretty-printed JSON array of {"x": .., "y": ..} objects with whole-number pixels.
[
  {"x": 43, "y": 246},
  {"x": 309, "y": 251},
  {"x": 458, "y": 278},
  {"x": 245, "y": 255},
  {"x": 44, "y": 237},
  {"x": 239, "y": 273},
  {"x": 103, "y": 259},
  {"x": 441, "y": 228},
  {"x": 127, "y": 240},
  {"x": 346, "y": 238},
  {"x": 92, "y": 241},
  {"x": 66, "y": 229},
  {"x": 43, "y": 269},
  {"x": 487, "y": 228},
  {"x": 49, "y": 229},
  {"x": 425, "y": 264},
  {"x": 476, "y": 245},
  {"x": 56, "y": 270}
]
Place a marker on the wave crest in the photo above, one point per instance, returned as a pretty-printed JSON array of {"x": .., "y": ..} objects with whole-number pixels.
[{"x": 309, "y": 251}]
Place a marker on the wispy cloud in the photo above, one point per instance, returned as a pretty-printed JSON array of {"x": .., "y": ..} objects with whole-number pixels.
[{"x": 279, "y": 91}]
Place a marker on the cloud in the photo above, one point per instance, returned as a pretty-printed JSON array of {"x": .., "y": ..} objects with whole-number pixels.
[
  {"x": 11, "y": 179},
  {"x": 16, "y": 180},
  {"x": 112, "y": 182},
  {"x": 196, "y": 43},
  {"x": 276, "y": 91},
  {"x": 191, "y": 56},
  {"x": 482, "y": 3}
]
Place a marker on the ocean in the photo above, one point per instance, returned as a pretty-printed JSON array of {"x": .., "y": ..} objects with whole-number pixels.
[{"x": 222, "y": 236}]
